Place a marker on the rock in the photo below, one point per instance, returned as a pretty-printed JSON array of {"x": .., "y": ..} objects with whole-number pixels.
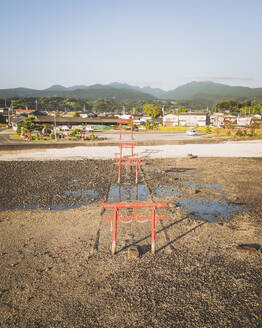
[
  {"x": 193, "y": 191},
  {"x": 249, "y": 248},
  {"x": 133, "y": 252},
  {"x": 172, "y": 205}
]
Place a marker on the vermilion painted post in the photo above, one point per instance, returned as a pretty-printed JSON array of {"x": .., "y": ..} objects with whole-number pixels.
[
  {"x": 132, "y": 150},
  {"x": 119, "y": 193},
  {"x": 114, "y": 232},
  {"x": 121, "y": 149},
  {"x": 119, "y": 171},
  {"x": 153, "y": 243},
  {"x": 120, "y": 131},
  {"x": 136, "y": 172}
]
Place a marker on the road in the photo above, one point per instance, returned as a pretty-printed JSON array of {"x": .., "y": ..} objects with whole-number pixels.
[
  {"x": 114, "y": 137},
  {"x": 142, "y": 136},
  {"x": 4, "y": 136}
]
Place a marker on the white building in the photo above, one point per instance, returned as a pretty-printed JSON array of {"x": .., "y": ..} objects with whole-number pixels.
[
  {"x": 170, "y": 120},
  {"x": 186, "y": 119},
  {"x": 244, "y": 121}
]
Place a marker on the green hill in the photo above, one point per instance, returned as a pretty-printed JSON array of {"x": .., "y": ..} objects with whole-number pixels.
[
  {"x": 92, "y": 93},
  {"x": 200, "y": 93},
  {"x": 211, "y": 91}
]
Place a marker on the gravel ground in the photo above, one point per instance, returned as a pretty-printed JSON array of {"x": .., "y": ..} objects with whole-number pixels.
[{"x": 56, "y": 265}]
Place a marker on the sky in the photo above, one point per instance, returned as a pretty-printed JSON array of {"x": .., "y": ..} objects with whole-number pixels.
[{"x": 163, "y": 44}]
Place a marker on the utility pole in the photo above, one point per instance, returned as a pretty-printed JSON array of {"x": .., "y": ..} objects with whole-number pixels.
[
  {"x": 36, "y": 105},
  {"x": 10, "y": 114},
  {"x": 55, "y": 124}
]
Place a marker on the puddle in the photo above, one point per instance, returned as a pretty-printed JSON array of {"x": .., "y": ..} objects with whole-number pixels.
[
  {"x": 139, "y": 192},
  {"x": 215, "y": 187},
  {"x": 166, "y": 191},
  {"x": 80, "y": 198},
  {"x": 209, "y": 210},
  {"x": 188, "y": 184},
  {"x": 20, "y": 207},
  {"x": 124, "y": 193},
  {"x": 75, "y": 181},
  {"x": 82, "y": 193},
  {"x": 186, "y": 175}
]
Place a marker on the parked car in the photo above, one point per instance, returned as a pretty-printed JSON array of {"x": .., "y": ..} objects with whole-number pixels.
[{"x": 191, "y": 132}]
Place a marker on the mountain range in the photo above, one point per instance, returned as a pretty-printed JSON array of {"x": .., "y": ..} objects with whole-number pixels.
[{"x": 207, "y": 93}]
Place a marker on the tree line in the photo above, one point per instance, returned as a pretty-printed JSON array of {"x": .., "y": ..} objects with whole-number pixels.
[
  {"x": 73, "y": 104},
  {"x": 234, "y": 107}
]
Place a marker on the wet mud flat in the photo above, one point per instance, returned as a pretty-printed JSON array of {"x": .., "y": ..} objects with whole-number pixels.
[{"x": 55, "y": 258}]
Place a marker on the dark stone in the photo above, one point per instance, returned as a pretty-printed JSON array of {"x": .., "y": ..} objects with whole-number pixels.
[{"x": 249, "y": 248}]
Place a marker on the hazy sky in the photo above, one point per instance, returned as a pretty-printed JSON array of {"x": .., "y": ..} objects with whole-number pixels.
[{"x": 161, "y": 43}]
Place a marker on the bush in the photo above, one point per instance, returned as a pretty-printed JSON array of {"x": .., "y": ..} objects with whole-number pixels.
[
  {"x": 208, "y": 130},
  {"x": 18, "y": 130},
  {"x": 148, "y": 125},
  {"x": 73, "y": 133},
  {"x": 229, "y": 133},
  {"x": 241, "y": 133}
]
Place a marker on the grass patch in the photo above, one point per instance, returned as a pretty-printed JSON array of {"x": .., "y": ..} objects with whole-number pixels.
[
  {"x": 16, "y": 137},
  {"x": 172, "y": 128}
]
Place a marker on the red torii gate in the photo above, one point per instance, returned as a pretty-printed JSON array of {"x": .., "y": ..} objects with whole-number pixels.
[
  {"x": 131, "y": 161},
  {"x": 122, "y": 121},
  {"x": 118, "y": 205},
  {"x": 119, "y": 193},
  {"x": 126, "y": 145}
]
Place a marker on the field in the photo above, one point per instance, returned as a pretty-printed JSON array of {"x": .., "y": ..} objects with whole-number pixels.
[{"x": 55, "y": 246}]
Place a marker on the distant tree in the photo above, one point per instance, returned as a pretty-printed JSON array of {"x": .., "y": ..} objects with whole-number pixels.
[
  {"x": 28, "y": 123},
  {"x": 18, "y": 130},
  {"x": 148, "y": 125},
  {"x": 134, "y": 111},
  {"x": 181, "y": 109},
  {"x": 230, "y": 106},
  {"x": 246, "y": 103},
  {"x": 152, "y": 110}
]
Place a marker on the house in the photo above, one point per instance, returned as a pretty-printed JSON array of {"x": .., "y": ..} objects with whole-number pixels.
[
  {"x": 124, "y": 116},
  {"x": 244, "y": 121},
  {"x": 18, "y": 120},
  {"x": 24, "y": 111},
  {"x": 230, "y": 119},
  {"x": 170, "y": 120},
  {"x": 186, "y": 119},
  {"x": 217, "y": 119}
]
